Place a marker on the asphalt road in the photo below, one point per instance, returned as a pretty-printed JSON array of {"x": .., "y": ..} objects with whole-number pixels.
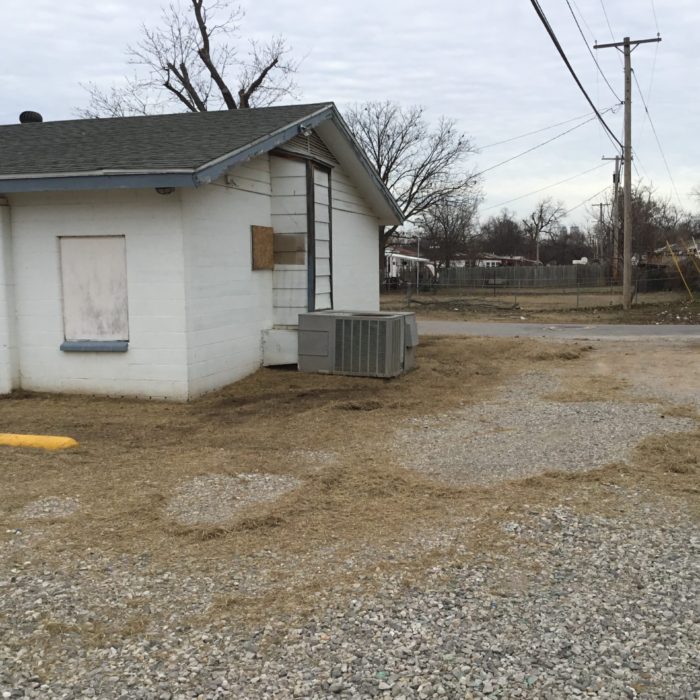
[{"x": 568, "y": 331}]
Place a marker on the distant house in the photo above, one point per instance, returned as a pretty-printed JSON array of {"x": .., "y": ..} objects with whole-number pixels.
[
  {"x": 492, "y": 260},
  {"x": 166, "y": 256},
  {"x": 402, "y": 264}
]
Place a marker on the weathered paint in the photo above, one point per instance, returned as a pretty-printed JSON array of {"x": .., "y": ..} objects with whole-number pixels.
[
  {"x": 44, "y": 442},
  {"x": 227, "y": 303},
  {"x": 197, "y": 312},
  {"x": 156, "y": 362},
  {"x": 93, "y": 283},
  {"x": 289, "y": 218}
]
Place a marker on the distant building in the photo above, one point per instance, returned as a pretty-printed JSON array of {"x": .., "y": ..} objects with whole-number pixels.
[{"x": 492, "y": 260}]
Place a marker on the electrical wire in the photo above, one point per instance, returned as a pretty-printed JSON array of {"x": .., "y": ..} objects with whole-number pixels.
[
  {"x": 607, "y": 21},
  {"x": 546, "y": 187},
  {"x": 656, "y": 19},
  {"x": 555, "y": 41},
  {"x": 658, "y": 141},
  {"x": 547, "y": 128},
  {"x": 583, "y": 19},
  {"x": 588, "y": 48},
  {"x": 534, "y": 148},
  {"x": 585, "y": 201}
]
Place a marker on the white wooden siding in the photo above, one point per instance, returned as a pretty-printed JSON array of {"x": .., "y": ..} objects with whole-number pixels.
[
  {"x": 323, "y": 298},
  {"x": 355, "y": 247},
  {"x": 288, "y": 214}
]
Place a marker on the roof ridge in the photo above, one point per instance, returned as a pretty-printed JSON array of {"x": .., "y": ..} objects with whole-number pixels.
[{"x": 172, "y": 115}]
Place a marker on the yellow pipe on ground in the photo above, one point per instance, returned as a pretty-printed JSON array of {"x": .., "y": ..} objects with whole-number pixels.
[{"x": 45, "y": 442}]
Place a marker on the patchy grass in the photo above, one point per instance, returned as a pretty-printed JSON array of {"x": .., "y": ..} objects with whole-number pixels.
[
  {"x": 548, "y": 306},
  {"x": 329, "y": 431}
]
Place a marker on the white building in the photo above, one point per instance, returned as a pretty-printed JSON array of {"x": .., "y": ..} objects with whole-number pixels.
[{"x": 166, "y": 256}]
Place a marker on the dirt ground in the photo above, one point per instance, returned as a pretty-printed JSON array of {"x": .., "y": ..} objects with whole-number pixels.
[
  {"x": 330, "y": 433},
  {"x": 547, "y": 306}
]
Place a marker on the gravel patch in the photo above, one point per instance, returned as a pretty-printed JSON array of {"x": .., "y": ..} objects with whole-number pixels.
[
  {"x": 578, "y": 605},
  {"x": 49, "y": 508},
  {"x": 519, "y": 434},
  {"x": 214, "y": 499}
]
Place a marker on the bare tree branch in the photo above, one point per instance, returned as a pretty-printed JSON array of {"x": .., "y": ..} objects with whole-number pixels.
[
  {"x": 448, "y": 227},
  {"x": 543, "y": 220},
  {"x": 191, "y": 59},
  {"x": 421, "y": 167}
]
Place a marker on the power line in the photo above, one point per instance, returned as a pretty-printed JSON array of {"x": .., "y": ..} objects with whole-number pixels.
[
  {"x": 656, "y": 19},
  {"x": 559, "y": 48},
  {"x": 585, "y": 201},
  {"x": 607, "y": 21},
  {"x": 583, "y": 19},
  {"x": 656, "y": 136},
  {"x": 534, "y": 148},
  {"x": 546, "y": 128},
  {"x": 546, "y": 187},
  {"x": 588, "y": 48}
]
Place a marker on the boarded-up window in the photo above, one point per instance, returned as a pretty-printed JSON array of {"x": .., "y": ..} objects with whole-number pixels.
[
  {"x": 263, "y": 247},
  {"x": 93, "y": 275}
]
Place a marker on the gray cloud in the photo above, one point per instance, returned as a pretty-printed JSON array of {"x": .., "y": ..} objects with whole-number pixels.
[{"x": 490, "y": 66}]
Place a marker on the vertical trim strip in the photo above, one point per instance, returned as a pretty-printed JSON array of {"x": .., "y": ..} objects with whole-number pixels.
[
  {"x": 330, "y": 232},
  {"x": 310, "y": 238}
]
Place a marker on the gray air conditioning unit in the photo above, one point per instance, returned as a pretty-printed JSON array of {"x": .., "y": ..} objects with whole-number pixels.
[{"x": 360, "y": 343}]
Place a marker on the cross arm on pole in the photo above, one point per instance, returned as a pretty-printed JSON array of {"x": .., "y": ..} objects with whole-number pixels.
[{"x": 617, "y": 44}]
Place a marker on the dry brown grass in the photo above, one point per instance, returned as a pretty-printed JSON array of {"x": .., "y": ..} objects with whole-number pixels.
[
  {"x": 133, "y": 454},
  {"x": 547, "y": 306}
]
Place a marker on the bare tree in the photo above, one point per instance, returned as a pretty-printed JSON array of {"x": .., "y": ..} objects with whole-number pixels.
[
  {"x": 192, "y": 59},
  {"x": 448, "y": 227},
  {"x": 544, "y": 219},
  {"x": 503, "y": 235},
  {"x": 422, "y": 167}
]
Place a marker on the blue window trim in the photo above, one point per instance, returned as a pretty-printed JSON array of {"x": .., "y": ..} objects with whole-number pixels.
[{"x": 95, "y": 345}]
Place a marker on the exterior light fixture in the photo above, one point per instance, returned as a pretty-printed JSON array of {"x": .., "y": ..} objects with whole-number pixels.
[{"x": 165, "y": 190}]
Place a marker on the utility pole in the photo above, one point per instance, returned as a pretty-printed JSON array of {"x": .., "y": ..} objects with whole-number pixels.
[
  {"x": 615, "y": 237},
  {"x": 599, "y": 237},
  {"x": 627, "y": 49}
]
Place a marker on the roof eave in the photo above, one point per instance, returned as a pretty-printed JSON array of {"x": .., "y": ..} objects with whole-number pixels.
[
  {"x": 56, "y": 183},
  {"x": 211, "y": 171},
  {"x": 388, "y": 211}
]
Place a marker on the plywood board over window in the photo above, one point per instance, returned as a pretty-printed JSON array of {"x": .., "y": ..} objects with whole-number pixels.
[
  {"x": 262, "y": 238},
  {"x": 93, "y": 276}
]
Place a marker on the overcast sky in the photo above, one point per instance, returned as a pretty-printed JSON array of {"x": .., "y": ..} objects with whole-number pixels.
[{"x": 488, "y": 65}]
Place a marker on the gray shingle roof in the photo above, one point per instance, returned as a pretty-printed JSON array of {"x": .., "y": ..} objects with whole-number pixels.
[{"x": 156, "y": 143}]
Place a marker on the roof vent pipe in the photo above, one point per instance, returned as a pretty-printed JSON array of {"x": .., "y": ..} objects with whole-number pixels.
[{"x": 30, "y": 117}]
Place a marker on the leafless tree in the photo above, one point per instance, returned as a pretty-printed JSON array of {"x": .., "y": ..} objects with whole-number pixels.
[
  {"x": 192, "y": 59},
  {"x": 422, "y": 167},
  {"x": 448, "y": 227},
  {"x": 544, "y": 219}
]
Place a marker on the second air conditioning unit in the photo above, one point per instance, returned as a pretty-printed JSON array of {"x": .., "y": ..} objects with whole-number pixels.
[{"x": 365, "y": 344}]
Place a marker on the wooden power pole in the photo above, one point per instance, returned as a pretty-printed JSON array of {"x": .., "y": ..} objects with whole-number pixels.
[
  {"x": 627, "y": 47},
  {"x": 615, "y": 233}
]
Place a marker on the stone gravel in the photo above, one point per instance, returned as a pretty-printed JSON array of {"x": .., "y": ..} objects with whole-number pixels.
[
  {"x": 213, "y": 499},
  {"x": 520, "y": 434},
  {"x": 569, "y": 604},
  {"x": 579, "y": 606},
  {"x": 49, "y": 508}
]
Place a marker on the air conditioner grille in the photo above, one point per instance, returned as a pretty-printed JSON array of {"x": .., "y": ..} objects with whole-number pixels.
[{"x": 360, "y": 346}]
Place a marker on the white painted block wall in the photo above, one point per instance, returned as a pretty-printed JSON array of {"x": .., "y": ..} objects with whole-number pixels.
[
  {"x": 156, "y": 362},
  {"x": 197, "y": 311},
  {"x": 228, "y": 303},
  {"x": 9, "y": 375}
]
